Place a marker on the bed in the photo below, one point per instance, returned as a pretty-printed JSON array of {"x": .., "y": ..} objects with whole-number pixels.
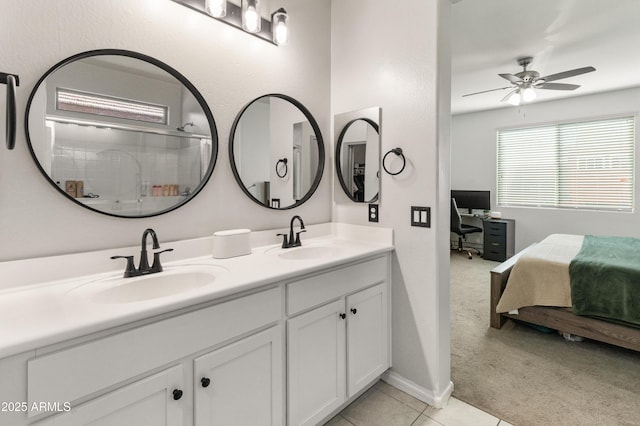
[{"x": 534, "y": 286}]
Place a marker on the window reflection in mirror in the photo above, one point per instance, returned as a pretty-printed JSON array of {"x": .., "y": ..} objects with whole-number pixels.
[
  {"x": 276, "y": 151},
  {"x": 358, "y": 154},
  {"x": 121, "y": 133}
]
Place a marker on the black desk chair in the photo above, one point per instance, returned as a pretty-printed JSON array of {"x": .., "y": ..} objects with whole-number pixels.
[{"x": 460, "y": 229}]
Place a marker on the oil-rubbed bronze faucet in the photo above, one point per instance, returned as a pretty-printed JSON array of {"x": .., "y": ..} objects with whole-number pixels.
[
  {"x": 288, "y": 243},
  {"x": 143, "y": 267}
]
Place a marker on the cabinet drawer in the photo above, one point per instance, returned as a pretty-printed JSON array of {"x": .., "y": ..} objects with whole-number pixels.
[
  {"x": 495, "y": 228},
  {"x": 318, "y": 289},
  {"x": 494, "y": 240},
  {"x": 81, "y": 370}
]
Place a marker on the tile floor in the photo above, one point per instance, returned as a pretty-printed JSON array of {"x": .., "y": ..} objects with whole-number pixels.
[{"x": 384, "y": 405}]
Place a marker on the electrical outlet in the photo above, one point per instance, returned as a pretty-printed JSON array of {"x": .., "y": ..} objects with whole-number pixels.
[
  {"x": 373, "y": 212},
  {"x": 421, "y": 216}
]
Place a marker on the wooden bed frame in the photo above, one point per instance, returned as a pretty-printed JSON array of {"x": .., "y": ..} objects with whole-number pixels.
[{"x": 561, "y": 319}]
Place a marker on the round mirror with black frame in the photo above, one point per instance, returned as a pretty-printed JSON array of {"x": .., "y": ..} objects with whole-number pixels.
[
  {"x": 357, "y": 160},
  {"x": 276, "y": 151},
  {"x": 121, "y": 133}
]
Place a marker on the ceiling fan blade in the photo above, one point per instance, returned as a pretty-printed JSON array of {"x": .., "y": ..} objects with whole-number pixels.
[
  {"x": 567, "y": 74},
  {"x": 512, "y": 78},
  {"x": 485, "y": 91},
  {"x": 557, "y": 86}
]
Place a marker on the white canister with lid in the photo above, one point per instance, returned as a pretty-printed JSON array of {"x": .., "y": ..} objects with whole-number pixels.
[{"x": 231, "y": 243}]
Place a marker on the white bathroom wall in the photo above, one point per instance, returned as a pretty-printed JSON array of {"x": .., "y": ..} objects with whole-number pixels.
[
  {"x": 397, "y": 57},
  {"x": 473, "y": 163},
  {"x": 229, "y": 68}
]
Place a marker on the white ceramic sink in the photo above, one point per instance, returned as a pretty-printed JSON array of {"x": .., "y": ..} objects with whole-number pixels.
[
  {"x": 310, "y": 252},
  {"x": 162, "y": 284}
]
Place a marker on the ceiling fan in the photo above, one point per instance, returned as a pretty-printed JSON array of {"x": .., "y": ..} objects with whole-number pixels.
[{"x": 524, "y": 82}]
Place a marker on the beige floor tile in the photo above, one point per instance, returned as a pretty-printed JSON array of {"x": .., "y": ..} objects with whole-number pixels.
[
  {"x": 425, "y": 421},
  {"x": 458, "y": 413},
  {"x": 401, "y": 396},
  {"x": 338, "y": 421},
  {"x": 376, "y": 408},
  {"x": 504, "y": 423}
]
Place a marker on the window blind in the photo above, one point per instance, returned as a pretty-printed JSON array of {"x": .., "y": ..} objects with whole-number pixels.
[{"x": 583, "y": 165}]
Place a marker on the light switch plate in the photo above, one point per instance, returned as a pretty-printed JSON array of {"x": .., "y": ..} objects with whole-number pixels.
[
  {"x": 373, "y": 211},
  {"x": 421, "y": 216}
]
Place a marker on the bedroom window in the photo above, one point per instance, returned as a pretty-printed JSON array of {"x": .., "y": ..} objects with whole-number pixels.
[{"x": 583, "y": 165}]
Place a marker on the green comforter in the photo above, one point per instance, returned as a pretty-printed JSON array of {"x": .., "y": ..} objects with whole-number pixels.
[{"x": 605, "y": 279}]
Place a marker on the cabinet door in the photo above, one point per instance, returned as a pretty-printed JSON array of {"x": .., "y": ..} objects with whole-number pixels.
[
  {"x": 148, "y": 402},
  {"x": 367, "y": 337},
  {"x": 317, "y": 362},
  {"x": 241, "y": 384}
]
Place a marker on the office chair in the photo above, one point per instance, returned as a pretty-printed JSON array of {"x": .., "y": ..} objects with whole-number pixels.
[
  {"x": 460, "y": 229},
  {"x": 358, "y": 194}
]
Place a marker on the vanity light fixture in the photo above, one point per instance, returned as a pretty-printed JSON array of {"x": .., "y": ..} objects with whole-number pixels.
[
  {"x": 246, "y": 17},
  {"x": 216, "y": 8},
  {"x": 251, "y": 21},
  {"x": 280, "y": 26}
]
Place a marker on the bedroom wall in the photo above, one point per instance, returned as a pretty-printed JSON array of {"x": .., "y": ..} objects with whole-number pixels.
[
  {"x": 473, "y": 163},
  {"x": 229, "y": 67}
]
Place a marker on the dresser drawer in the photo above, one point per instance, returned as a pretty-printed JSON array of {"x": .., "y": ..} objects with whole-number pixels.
[
  {"x": 495, "y": 243},
  {"x": 82, "y": 370},
  {"x": 495, "y": 228},
  {"x": 321, "y": 288},
  {"x": 495, "y": 252}
]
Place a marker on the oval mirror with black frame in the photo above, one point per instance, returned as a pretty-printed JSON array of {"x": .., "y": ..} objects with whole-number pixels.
[
  {"x": 358, "y": 154},
  {"x": 121, "y": 133},
  {"x": 276, "y": 151}
]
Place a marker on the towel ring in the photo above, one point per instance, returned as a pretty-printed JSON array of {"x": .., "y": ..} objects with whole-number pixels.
[
  {"x": 398, "y": 152},
  {"x": 11, "y": 81},
  {"x": 283, "y": 161}
]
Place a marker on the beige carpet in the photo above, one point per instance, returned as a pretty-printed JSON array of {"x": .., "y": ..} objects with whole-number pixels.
[{"x": 528, "y": 377}]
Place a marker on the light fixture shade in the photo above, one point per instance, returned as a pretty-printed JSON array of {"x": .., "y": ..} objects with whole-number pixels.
[
  {"x": 216, "y": 8},
  {"x": 280, "y": 27},
  {"x": 251, "y": 19},
  {"x": 514, "y": 99},
  {"x": 528, "y": 94}
]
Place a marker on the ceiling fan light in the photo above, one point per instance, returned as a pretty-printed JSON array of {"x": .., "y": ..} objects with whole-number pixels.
[
  {"x": 514, "y": 99},
  {"x": 528, "y": 94}
]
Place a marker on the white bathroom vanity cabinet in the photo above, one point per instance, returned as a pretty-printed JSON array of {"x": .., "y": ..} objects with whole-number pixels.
[{"x": 289, "y": 349}]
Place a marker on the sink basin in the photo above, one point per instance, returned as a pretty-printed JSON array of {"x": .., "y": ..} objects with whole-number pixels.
[
  {"x": 146, "y": 287},
  {"x": 309, "y": 252}
]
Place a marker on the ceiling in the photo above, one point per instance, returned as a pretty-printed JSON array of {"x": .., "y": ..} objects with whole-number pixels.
[{"x": 489, "y": 35}]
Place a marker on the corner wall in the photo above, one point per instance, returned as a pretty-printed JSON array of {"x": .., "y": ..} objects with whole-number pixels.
[
  {"x": 229, "y": 67},
  {"x": 399, "y": 60},
  {"x": 473, "y": 163}
]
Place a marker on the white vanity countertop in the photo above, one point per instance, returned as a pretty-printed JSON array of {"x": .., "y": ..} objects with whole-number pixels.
[{"x": 35, "y": 315}]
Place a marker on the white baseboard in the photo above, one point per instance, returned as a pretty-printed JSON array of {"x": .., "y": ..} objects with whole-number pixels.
[{"x": 417, "y": 391}]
